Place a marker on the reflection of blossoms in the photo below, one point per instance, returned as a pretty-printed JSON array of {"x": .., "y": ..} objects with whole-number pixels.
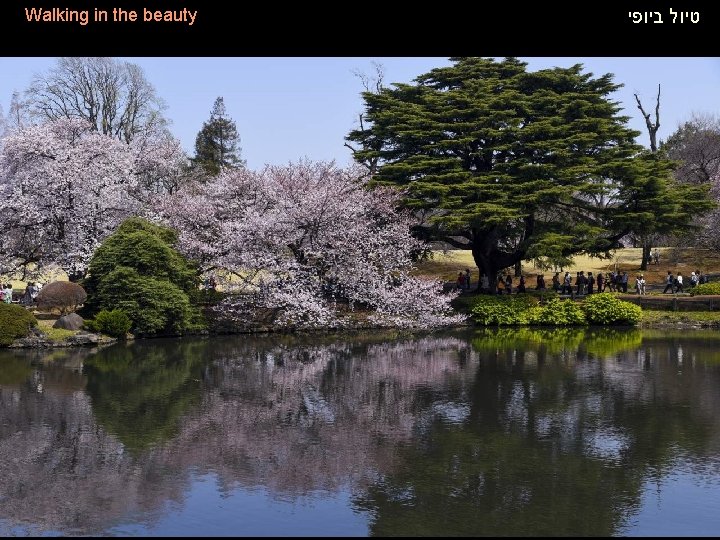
[{"x": 302, "y": 241}]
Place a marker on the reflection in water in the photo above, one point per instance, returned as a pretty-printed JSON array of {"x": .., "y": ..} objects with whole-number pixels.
[{"x": 515, "y": 431}]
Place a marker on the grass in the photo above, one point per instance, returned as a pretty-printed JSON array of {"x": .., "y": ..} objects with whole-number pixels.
[
  {"x": 54, "y": 334},
  {"x": 58, "y": 334},
  {"x": 696, "y": 318},
  {"x": 446, "y": 264}
]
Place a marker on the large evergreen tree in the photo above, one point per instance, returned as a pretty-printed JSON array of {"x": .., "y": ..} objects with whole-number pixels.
[
  {"x": 516, "y": 165},
  {"x": 217, "y": 143}
]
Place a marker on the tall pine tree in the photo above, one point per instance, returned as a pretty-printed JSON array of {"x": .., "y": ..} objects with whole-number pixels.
[
  {"x": 217, "y": 143},
  {"x": 516, "y": 165}
]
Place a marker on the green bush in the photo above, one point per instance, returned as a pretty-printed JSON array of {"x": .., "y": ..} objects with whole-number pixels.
[
  {"x": 155, "y": 306},
  {"x": 114, "y": 323},
  {"x": 137, "y": 271},
  {"x": 706, "y": 288},
  {"x": 502, "y": 310},
  {"x": 606, "y": 309},
  {"x": 556, "y": 312},
  {"x": 15, "y": 322}
]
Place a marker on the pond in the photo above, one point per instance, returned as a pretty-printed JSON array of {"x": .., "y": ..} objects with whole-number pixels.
[{"x": 506, "y": 432}]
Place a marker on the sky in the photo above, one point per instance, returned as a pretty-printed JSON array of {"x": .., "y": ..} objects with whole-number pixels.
[{"x": 289, "y": 108}]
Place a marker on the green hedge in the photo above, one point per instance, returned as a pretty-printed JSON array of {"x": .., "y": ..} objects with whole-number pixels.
[
  {"x": 557, "y": 312},
  {"x": 502, "y": 310},
  {"x": 606, "y": 309},
  {"x": 706, "y": 288},
  {"x": 521, "y": 309},
  {"x": 15, "y": 322}
]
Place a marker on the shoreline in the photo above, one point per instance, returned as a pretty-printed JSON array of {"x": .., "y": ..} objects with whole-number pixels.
[{"x": 657, "y": 320}]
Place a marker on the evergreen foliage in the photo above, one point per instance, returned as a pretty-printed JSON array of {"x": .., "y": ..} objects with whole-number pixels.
[
  {"x": 217, "y": 143},
  {"x": 516, "y": 165},
  {"x": 136, "y": 270}
]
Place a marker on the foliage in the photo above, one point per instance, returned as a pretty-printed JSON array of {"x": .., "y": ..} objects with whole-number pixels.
[
  {"x": 706, "y": 288},
  {"x": 114, "y": 323},
  {"x": 502, "y": 310},
  {"x": 137, "y": 271},
  {"x": 556, "y": 312},
  {"x": 62, "y": 295},
  {"x": 518, "y": 165},
  {"x": 15, "y": 322},
  {"x": 606, "y": 309},
  {"x": 299, "y": 240},
  {"x": 216, "y": 145}
]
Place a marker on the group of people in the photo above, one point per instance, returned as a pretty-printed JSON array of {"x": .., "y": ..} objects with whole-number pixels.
[
  {"x": 463, "y": 280},
  {"x": 582, "y": 284},
  {"x": 674, "y": 284},
  {"x": 28, "y": 297},
  {"x": 589, "y": 284}
]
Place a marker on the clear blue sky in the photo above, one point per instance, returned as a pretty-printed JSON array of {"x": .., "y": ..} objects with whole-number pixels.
[{"x": 288, "y": 108}]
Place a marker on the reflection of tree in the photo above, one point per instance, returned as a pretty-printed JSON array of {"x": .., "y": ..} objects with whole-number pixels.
[
  {"x": 435, "y": 436},
  {"x": 139, "y": 392},
  {"x": 546, "y": 450}
]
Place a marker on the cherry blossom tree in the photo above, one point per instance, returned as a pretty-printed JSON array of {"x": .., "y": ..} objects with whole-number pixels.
[
  {"x": 64, "y": 187},
  {"x": 308, "y": 242}
]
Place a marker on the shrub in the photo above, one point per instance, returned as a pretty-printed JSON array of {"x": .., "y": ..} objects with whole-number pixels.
[
  {"x": 63, "y": 295},
  {"x": 137, "y": 271},
  {"x": 114, "y": 323},
  {"x": 502, "y": 310},
  {"x": 606, "y": 309},
  {"x": 15, "y": 322},
  {"x": 706, "y": 288},
  {"x": 556, "y": 312},
  {"x": 155, "y": 306}
]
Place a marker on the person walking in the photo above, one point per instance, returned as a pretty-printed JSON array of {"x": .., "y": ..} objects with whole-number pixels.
[
  {"x": 540, "y": 286},
  {"x": 641, "y": 285},
  {"x": 467, "y": 279},
  {"x": 600, "y": 283},
  {"x": 679, "y": 280},
  {"x": 521, "y": 285},
  {"x": 624, "y": 281},
  {"x": 556, "y": 282},
  {"x": 669, "y": 282},
  {"x": 590, "y": 283},
  {"x": 508, "y": 283},
  {"x": 460, "y": 281},
  {"x": 500, "y": 285},
  {"x": 567, "y": 284}
]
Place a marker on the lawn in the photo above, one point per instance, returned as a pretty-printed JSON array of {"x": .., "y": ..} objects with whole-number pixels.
[{"x": 446, "y": 265}]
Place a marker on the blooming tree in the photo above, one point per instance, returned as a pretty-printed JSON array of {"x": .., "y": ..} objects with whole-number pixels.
[
  {"x": 303, "y": 240},
  {"x": 64, "y": 187}
]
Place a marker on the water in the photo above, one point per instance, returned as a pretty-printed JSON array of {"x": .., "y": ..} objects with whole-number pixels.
[{"x": 510, "y": 432}]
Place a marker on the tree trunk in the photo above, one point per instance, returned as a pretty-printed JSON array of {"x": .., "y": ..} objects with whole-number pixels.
[{"x": 646, "y": 249}]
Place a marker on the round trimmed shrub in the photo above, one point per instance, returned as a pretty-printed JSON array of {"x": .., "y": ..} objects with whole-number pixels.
[
  {"x": 114, "y": 323},
  {"x": 62, "y": 295},
  {"x": 706, "y": 288},
  {"x": 15, "y": 322},
  {"x": 606, "y": 309}
]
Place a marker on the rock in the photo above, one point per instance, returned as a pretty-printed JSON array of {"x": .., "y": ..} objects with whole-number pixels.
[
  {"x": 82, "y": 340},
  {"x": 70, "y": 322}
]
